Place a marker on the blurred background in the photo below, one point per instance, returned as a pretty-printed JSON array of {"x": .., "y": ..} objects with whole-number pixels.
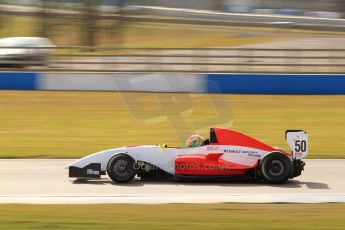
[{"x": 134, "y": 35}]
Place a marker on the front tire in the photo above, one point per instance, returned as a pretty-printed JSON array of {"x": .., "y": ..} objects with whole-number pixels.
[
  {"x": 275, "y": 168},
  {"x": 120, "y": 168}
]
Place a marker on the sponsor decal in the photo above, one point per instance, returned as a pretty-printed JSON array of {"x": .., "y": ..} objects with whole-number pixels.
[
  {"x": 92, "y": 172},
  {"x": 232, "y": 151},
  {"x": 249, "y": 153},
  {"x": 254, "y": 155},
  {"x": 212, "y": 147}
]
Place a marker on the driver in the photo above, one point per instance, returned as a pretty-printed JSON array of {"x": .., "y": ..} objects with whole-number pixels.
[{"x": 195, "y": 141}]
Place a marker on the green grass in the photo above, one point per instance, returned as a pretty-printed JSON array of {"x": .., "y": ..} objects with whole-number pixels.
[
  {"x": 174, "y": 216},
  {"x": 73, "y": 124}
]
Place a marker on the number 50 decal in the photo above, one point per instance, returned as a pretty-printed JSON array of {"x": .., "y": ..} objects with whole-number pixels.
[
  {"x": 300, "y": 146},
  {"x": 298, "y": 143}
]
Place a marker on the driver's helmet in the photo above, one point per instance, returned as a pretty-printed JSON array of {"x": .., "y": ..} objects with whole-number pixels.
[{"x": 195, "y": 141}]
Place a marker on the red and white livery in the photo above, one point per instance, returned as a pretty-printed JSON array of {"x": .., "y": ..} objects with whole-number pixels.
[{"x": 226, "y": 153}]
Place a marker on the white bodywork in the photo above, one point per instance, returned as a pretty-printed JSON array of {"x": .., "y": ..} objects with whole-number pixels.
[{"x": 164, "y": 158}]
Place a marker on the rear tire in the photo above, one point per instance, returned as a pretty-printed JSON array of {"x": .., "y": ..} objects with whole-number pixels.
[
  {"x": 120, "y": 168},
  {"x": 275, "y": 168}
]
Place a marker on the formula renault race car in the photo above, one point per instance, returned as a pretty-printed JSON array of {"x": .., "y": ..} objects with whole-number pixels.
[{"x": 227, "y": 153}]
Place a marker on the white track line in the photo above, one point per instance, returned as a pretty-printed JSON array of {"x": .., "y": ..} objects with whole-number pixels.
[{"x": 173, "y": 198}]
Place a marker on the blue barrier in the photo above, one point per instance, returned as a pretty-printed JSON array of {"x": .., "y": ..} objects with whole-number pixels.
[
  {"x": 290, "y": 12},
  {"x": 18, "y": 81},
  {"x": 323, "y": 14},
  {"x": 275, "y": 83},
  {"x": 208, "y": 83}
]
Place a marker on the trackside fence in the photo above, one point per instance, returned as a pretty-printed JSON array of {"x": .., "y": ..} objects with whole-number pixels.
[{"x": 185, "y": 60}]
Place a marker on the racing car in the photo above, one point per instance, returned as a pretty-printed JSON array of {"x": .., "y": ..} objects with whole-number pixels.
[{"x": 226, "y": 153}]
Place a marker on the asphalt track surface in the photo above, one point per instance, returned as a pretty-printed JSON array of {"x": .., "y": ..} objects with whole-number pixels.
[{"x": 46, "y": 181}]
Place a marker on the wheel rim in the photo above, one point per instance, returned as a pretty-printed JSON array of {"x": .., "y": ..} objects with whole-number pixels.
[
  {"x": 276, "y": 168},
  {"x": 121, "y": 168}
]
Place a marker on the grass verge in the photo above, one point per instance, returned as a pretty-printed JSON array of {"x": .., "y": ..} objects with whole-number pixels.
[
  {"x": 174, "y": 216},
  {"x": 42, "y": 124}
]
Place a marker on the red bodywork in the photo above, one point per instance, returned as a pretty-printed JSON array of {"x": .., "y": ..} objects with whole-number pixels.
[{"x": 212, "y": 163}]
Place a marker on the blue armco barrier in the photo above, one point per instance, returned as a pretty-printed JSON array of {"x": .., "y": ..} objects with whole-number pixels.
[
  {"x": 18, "y": 81},
  {"x": 276, "y": 83},
  {"x": 160, "y": 82}
]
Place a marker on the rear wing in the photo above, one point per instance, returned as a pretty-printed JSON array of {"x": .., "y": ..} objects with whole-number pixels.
[{"x": 298, "y": 143}]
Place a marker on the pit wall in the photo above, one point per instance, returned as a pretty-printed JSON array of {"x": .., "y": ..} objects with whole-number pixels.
[{"x": 177, "y": 82}]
